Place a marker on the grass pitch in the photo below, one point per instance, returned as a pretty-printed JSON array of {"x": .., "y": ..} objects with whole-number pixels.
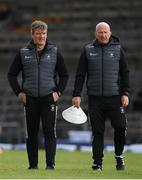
[{"x": 69, "y": 165}]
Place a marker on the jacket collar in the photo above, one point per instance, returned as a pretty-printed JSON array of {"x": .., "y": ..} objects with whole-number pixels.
[
  {"x": 112, "y": 40},
  {"x": 48, "y": 45}
]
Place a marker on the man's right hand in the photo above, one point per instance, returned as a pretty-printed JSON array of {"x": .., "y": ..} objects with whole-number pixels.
[
  {"x": 22, "y": 97},
  {"x": 76, "y": 101}
]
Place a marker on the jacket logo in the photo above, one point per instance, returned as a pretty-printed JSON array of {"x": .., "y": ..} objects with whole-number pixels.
[
  {"x": 28, "y": 57},
  {"x": 111, "y": 55},
  {"x": 93, "y": 54},
  {"x": 48, "y": 56}
]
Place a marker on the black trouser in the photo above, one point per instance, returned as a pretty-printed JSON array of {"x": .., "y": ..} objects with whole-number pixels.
[
  {"x": 99, "y": 109},
  {"x": 43, "y": 108}
]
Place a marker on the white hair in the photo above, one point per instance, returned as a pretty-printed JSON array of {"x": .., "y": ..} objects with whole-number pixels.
[{"x": 102, "y": 24}]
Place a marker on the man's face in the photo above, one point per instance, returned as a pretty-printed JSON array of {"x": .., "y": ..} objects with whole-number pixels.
[
  {"x": 39, "y": 36},
  {"x": 103, "y": 34}
]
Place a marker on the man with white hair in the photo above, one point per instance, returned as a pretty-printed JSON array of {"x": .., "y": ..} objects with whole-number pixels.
[{"x": 103, "y": 64}]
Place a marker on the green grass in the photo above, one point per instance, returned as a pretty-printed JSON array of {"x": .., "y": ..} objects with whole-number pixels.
[{"x": 69, "y": 165}]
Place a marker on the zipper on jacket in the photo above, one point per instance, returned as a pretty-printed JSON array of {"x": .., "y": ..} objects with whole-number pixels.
[
  {"x": 38, "y": 62},
  {"x": 102, "y": 70}
]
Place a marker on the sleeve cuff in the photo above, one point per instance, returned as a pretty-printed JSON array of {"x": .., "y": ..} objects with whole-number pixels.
[
  {"x": 59, "y": 93},
  {"x": 125, "y": 94}
]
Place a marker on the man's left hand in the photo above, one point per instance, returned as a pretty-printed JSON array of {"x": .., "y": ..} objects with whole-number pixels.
[{"x": 125, "y": 101}]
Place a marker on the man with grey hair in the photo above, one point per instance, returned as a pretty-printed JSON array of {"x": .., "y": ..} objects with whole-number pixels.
[
  {"x": 44, "y": 78},
  {"x": 104, "y": 64},
  {"x": 36, "y": 24}
]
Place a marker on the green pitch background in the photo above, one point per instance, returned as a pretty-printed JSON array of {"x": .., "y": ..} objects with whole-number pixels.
[{"x": 69, "y": 165}]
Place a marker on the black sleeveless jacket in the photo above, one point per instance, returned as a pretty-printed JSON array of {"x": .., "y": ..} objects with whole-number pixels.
[
  {"x": 39, "y": 72},
  {"x": 103, "y": 69}
]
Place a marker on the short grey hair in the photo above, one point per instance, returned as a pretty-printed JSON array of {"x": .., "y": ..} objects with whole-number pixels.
[{"x": 38, "y": 24}]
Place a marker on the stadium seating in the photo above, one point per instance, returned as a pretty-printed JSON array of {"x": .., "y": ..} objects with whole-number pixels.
[{"x": 71, "y": 25}]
